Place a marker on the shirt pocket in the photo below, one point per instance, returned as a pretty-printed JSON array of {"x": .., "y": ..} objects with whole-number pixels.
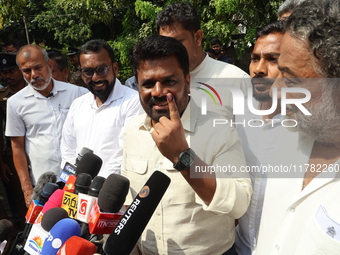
[
  {"x": 179, "y": 192},
  {"x": 136, "y": 170},
  {"x": 316, "y": 242}
]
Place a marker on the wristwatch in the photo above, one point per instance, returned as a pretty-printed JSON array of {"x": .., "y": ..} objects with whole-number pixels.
[{"x": 185, "y": 160}]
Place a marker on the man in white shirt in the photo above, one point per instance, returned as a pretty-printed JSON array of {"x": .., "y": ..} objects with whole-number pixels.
[
  {"x": 35, "y": 116},
  {"x": 208, "y": 76},
  {"x": 197, "y": 212},
  {"x": 259, "y": 132},
  {"x": 96, "y": 120},
  {"x": 302, "y": 204}
]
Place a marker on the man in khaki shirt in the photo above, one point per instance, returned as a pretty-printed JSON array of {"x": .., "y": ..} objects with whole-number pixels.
[{"x": 197, "y": 212}]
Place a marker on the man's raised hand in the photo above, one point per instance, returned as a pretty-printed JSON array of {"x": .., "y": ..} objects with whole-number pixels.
[{"x": 169, "y": 134}]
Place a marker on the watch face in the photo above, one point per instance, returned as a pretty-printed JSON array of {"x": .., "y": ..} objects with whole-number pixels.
[{"x": 186, "y": 159}]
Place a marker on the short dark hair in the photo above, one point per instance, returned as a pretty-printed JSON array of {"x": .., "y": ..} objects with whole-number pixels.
[
  {"x": 183, "y": 13},
  {"x": 61, "y": 62},
  {"x": 215, "y": 41},
  {"x": 278, "y": 26},
  {"x": 158, "y": 47},
  {"x": 95, "y": 46},
  {"x": 317, "y": 23},
  {"x": 15, "y": 42}
]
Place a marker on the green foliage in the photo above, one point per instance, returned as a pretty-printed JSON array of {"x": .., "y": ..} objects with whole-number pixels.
[
  {"x": 63, "y": 23},
  {"x": 11, "y": 10},
  {"x": 122, "y": 47}
]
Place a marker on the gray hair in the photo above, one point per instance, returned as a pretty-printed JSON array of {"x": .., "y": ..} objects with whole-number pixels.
[
  {"x": 288, "y": 6},
  {"x": 317, "y": 24}
]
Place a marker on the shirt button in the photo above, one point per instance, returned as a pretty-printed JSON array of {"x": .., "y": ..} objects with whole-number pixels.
[
  {"x": 159, "y": 237},
  {"x": 158, "y": 213},
  {"x": 292, "y": 209}
]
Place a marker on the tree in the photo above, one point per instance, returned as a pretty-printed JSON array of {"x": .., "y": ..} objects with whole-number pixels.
[{"x": 62, "y": 23}]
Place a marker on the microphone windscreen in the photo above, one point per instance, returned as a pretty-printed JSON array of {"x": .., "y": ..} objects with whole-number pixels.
[
  {"x": 47, "y": 191},
  {"x": 77, "y": 246},
  {"x": 127, "y": 232},
  {"x": 113, "y": 193},
  {"x": 42, "y": 180},
  {"x": 82, "y": 183},
  {"x": 96, "y": 186},
  {"x": 58, "y": 235},
  {"x": 52, "y": 216},
  {"x": 90, "y": 163},
  {"x": 6, "y": 227},
  {"x": 55, "y": 200},
  {"x": 82, "y": 152}
]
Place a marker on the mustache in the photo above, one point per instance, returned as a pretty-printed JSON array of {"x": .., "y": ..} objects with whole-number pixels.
[
  {"x": 156, "y": 100},
  {"x": 8, "y": 79},
  {"x": 35, "y": 80},
  {"x": 92, "y": 83},
  {"x": 258, "y": 79}
]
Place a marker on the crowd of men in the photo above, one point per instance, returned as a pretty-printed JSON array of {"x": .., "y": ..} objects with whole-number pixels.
[{"x": 173, "y": 124}]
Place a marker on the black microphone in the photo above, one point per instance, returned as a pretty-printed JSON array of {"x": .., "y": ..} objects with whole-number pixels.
[
  {"x": 113, "y": 193},
  {"x": 127, "y": 232},
  {"x": 82, "y": 183},
  {"x": 47, "y": 191},
  {"x": 96, "y": 186},
  {"x": 90, "y": 163},
  {"x": 105, "y": 211},
  {"x": 52, "y": 216},
  {"x": 82, "y": 152},
  {"x": 50, "y": 95}
]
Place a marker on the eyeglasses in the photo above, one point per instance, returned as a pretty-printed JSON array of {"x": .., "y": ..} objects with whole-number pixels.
[{"x": 100, "y": 70}]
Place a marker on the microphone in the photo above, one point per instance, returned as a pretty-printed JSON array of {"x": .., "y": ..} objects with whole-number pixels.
[
  {"x": 43, "y": 179},
  {"x": 36, "y": 205},
  {"x": 113, "y": 193},
  {"x": 82, "y": 183},
  {"x": 96, "y": 186},
  {"x": 50, "y": 95},
  {"x": 55, "y": 200},
  {"x": 47, "y": 191},
  {"x": 39, "y": 231},
  {"x": 105, "y": 212},
  {"x": 70, "y": 200},
  {"x": 68, "y": 170},
  {"x": 90, "y": 164},
  {"x": 127, "y": 232},
  {"x": 58, "y": 235},
  {"x": 85, "y": 202},
  {"x": 6, "y": 227},
  {"x": 52, "y": 216},
  {"x": 77, "y": 246},
  {"x": 82, "y": 152}
]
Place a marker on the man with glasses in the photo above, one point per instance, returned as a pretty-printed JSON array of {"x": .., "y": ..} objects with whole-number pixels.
[{"x": 96, "y": 120}]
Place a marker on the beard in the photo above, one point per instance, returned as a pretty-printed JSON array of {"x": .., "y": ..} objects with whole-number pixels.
[
  {"x": 155, "y": 115},
  {"x": 261, "y": 94},
  {"x": 324, "y": 124},
  {"x": 46, "y": 81},
  {"x": 101, "y": 93}
]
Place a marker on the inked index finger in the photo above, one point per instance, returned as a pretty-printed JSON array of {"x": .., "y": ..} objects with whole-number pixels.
[{"x": 173, "y": 110}]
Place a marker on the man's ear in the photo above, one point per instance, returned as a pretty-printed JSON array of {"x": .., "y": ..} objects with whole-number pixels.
[
  {"x": 198, "y": 37},
  {"x": 187, "y": 81},
  {"x": 115, "y": 68}
]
